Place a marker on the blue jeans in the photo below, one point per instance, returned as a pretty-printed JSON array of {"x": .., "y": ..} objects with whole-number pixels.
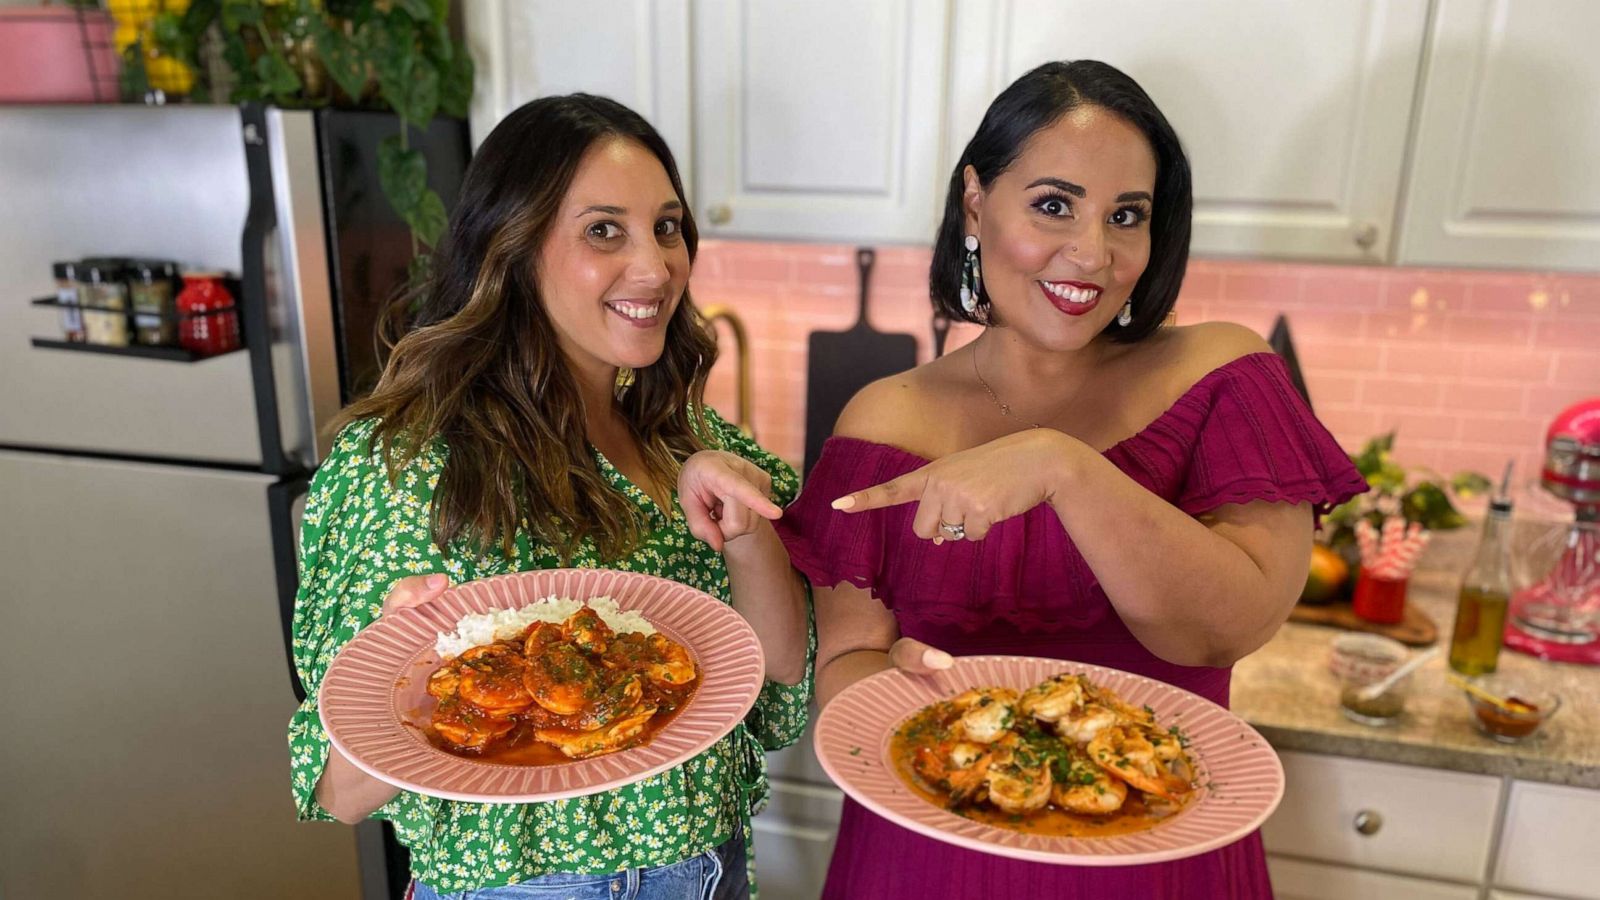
[{"x": 717, "y": 874}]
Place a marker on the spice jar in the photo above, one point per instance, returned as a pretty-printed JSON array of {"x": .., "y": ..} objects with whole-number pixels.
[
  {"x": 1359, "y": 660},
  {"x": 104, "y": 299},
  {"x": 67, "y": 301},
  {"x": 208, "y": 323},
  {"x": 155, "y": 315}
]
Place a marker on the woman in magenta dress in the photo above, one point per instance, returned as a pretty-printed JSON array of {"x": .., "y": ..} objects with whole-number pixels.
[{"x": 1079, "y": 482}]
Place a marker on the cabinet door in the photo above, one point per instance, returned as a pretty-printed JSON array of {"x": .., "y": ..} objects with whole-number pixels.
[
  {"x": 633, "y": 51},
  {"x": 1293, "y": 879},
  {"x": 819, "y": 120},
  {"x": 1545, "y": 844},
  {"x": 795, "y": 835},
  {"x": 1503, "y": 173},
  {"x": 1406, "y": 819},
  {"x": 1294, "y": 115}
]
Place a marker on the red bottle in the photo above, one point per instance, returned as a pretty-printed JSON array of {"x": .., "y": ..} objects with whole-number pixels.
[{"x": 208, "y": 323}]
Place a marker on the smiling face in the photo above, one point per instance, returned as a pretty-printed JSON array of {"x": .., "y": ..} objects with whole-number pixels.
[
  {"x": 1064, "y": 232},
  {"x": 614, "y": 264}
]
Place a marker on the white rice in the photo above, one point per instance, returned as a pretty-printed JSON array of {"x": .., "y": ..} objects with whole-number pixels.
[{"x": 485, "y": 628}]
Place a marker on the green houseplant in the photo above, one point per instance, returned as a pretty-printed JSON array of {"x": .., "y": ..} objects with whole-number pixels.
[
  {"x": 394, "y": 55},
  {"x": 1417, "y": 495}
]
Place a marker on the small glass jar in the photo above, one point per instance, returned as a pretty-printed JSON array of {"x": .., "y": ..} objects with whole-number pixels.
[
  {"x": 1360, "y": 660},
  {"x": 67, "y": 301},
  {"x": 104, "y": 298},
  {"x": 1378, "y": 598},
  {"x": 155, "y": 315},
  {"x": 208, "y": 319}
]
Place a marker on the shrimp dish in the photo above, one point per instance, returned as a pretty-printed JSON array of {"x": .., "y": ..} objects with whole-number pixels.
[
  {"x": 555, "y": 691},
  {"x": 1066, "y": 757}
]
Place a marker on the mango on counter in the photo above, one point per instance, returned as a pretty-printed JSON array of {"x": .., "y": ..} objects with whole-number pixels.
[{"x": 1327, "y": 575}]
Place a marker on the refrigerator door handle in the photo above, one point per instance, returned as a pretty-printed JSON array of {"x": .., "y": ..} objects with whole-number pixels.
[
  {"x": 259, "y": 224},
  {"x": 285, "y": 562}
]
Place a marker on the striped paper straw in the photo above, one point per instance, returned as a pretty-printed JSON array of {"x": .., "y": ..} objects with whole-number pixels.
[
  {"x": 1394, "y": 529},
  {"x": 1367, "y": 540}
]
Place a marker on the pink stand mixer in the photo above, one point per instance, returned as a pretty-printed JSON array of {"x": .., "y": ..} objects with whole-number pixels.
[{"x": 1557, "y": 615}]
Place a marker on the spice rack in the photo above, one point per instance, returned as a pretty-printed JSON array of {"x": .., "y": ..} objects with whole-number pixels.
[{"x": 142, "y": 351}]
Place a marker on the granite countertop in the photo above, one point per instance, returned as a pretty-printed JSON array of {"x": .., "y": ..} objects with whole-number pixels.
[{"x": 1286, "y": 691}]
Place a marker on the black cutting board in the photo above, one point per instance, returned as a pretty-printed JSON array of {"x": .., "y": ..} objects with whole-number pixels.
[{"x": 839, "y": 363}]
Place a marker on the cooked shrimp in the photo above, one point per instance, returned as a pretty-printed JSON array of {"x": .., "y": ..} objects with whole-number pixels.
[
  {"x": 1087, "y": 723},
  {"x": 539, "y": 636},
  {"x": 985, "y": 714},
  {"x": 620, "y": 698},
  {"x": 466, "y": 726},
  {"x": 957, "y": 767},
  {"x": 1128, "y": 713},
  {"x": 445, "y": 680},
  {"x": 586, "y": 629},
  {"x": 1072, "y": 705},
  {"x": 1129, "y": 755},
  {"x": 491, "y": 678},
  {"x": 1053, "y": 698},
  {"x": 670, "y": 662},
  {"x": 582, "y": 744},
  {"x": 561, "y": 679},
  {"x": 629, "y": 650},
  {"x": 1087, "y": 789},
  {"x": 1018, "y": 782}
]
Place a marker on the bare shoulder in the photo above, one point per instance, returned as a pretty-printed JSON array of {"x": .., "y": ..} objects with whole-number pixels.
[
  {"x": 894, "y": 410},
  {"x": 1201, "y": 348}
]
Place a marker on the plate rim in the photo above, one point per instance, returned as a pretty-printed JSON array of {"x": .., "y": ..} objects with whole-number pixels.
[
  {"x": 375, "y": 630},
  {"x": 878, "y": 743}
]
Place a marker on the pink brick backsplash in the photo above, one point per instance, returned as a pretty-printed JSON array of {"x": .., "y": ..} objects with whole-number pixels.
[{"x": 1468, "y": 366}]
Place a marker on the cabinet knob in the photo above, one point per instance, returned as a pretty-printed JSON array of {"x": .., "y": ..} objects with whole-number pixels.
[
  {"x": 720, "y": 214},
  {"x": 1368, "y": 822},
  {"x": 1366, "y": 235}
]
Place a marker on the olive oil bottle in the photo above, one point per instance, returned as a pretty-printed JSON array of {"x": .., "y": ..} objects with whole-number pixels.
[{"x": 1485, "y": 593}]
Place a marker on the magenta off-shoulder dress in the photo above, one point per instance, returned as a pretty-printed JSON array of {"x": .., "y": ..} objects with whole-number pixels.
[{"x": 1238, "y": 435}]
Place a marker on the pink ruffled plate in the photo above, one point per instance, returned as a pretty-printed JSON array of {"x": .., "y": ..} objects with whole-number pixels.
[
  {"x": 374, "y": 701},
  {"x": 1240, "y": 777}
]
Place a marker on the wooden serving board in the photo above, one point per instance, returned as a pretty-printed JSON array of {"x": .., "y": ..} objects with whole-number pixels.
[{"x": 1417, "y": 629}]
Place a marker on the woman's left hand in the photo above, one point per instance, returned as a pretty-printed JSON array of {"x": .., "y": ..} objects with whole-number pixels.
[
  {"x": 724, "y": 496},
  {"x": 962, "y": 496}
]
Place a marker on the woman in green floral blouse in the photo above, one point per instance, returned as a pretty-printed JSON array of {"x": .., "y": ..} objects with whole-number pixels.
[{"x": 538, "y": 411}]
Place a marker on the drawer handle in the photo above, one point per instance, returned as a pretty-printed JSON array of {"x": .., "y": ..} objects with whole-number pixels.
[{"x": 1368, "y": 822}]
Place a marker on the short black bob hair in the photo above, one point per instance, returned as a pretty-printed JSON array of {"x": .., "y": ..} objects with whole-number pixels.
[{"x": 1035, "y": 101}]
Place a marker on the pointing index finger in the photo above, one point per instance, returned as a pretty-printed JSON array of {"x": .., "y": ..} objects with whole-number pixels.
[{"x": 906, "y": 488}]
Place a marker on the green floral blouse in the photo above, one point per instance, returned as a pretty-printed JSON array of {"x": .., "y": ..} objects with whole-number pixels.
[{"x": 361, "y": 533}]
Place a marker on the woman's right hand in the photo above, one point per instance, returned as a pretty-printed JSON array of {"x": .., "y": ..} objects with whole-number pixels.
[{"x": 415, "y": 590}]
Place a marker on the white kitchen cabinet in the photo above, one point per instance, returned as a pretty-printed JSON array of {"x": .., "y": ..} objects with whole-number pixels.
[
  {"x": 819, "y": 120},
  {"x": 1294, "y": 879},
  {"x": 1507, "y": 138},
  {"x": 794, "y": 839},
  {"x": 795, "y": 834},
  {"x": 634, "y": 51},
  {"x": 1423, "y": 822},
  {"x": 1294, "y": 116},
  {"x": 1547, "y": 845}
]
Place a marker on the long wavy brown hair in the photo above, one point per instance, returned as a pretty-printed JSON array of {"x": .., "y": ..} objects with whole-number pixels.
[{"x": 476, "y": 363}]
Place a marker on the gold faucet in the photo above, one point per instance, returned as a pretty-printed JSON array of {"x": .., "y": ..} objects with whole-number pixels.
[{"x": 741, "y": 349}]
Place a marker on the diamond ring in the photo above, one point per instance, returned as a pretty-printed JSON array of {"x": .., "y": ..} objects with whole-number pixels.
[{"x": 956, "y": 531}]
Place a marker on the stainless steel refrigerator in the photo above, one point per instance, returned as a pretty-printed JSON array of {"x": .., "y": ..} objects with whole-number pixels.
[{"x": 149, "y": 504}]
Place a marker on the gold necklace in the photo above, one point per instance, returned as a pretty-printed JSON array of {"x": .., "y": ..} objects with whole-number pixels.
[{"x": 1005, "y": 408}]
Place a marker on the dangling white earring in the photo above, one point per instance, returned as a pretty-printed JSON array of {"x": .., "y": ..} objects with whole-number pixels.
[
  {"x": 971, "y": 276},
  {"x": 1126, "y": 316}
]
